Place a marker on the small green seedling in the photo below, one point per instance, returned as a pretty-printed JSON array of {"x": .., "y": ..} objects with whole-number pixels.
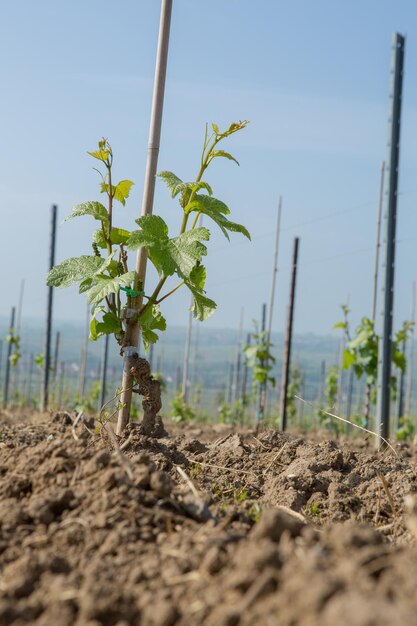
[
  {"x": 313, "y": 510},
  {"x": 255, "y": 512},
  {"x": 112, "y": 289}
]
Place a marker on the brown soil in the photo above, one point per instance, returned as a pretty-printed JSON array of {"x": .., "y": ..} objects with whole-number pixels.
[{"x": 205, "y": 526}]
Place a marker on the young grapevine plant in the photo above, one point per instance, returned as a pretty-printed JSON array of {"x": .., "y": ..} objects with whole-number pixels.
[
  {"x": 114, "y": 290},
  {"x": 259, "y": 358},
  {"x": 14, "y": 340},
  {"x": 361, "y": 350}
]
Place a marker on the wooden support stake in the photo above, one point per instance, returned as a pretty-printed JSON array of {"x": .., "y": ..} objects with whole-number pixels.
[
  {"x": 48, "y": 333},
  {"x": 132, "y": 327},
  {"x": 288, "y": 339}
]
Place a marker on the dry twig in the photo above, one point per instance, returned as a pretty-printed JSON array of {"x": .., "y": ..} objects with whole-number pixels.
[
  {"x": 389, "y": 494},
  {"x": 188, "y": 480},
  {"x": 378, "y": 507},
  {"x": 119, "y": 393},
  {"x": 74, "y": 423},
  {"x": 278, "y": 454},
  {"x": 262, "y": 444},
  {"x": 342, "y": 419}
]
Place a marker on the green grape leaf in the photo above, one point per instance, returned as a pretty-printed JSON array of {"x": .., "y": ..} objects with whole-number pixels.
[
  {"x": 201, "y": 203},
  {"x": 14, "y": 359},
  {"x": 93, "y": 330},
  {"x": 153, "y": 227},
  {"x": 198, "y": 276},
  {"x": 105, "y": 285},
  {"x": 176, "y": 185},
  {"x": 250, "y": 353},
  {"x": 179, "y": 254},
  {"x": 348, "y": 359},
  {"x": 358, "y": 370},
  {"x": 194, "y": 186},
  {"x": 39, "y": 359},
  {"x": 101, "y": 155},
  {"x": 235, "y": 126},
  {"x": 226, "y": 155},
  {"x": 216, "y": 210},
  {"x": 86, "y": 284},
  {"x": 73, "y": 270},
  {"x": 154, "y": 236},
  {"x": 107, "y": 265},
  {"x": 117, "y": 236},
  {"x": 150, "y": 321},
  {"x": 95, "y": 209},
  {"x": 226, "y": 225},
  {"x": 109, "y": 325},
  {"x": 202, "y": 306},
  {"x": 171, "y": 180},
  {"x": 121, "y": 190},
  {"x": 361, "y": 338},
  {"x": 399, "y": 360},
  {"x": 98, "y": 238},
  {"x": 186, "y": 250}
]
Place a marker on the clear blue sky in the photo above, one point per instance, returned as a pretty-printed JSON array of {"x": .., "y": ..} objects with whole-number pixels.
[{"x": 312, "y": 78}]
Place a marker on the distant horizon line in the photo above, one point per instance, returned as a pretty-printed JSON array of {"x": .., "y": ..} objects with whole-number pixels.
[{"x": 38, "y": 321}]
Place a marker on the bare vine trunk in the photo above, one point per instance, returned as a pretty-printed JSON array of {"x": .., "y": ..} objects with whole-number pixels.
[{"x": 150, "y": 389}]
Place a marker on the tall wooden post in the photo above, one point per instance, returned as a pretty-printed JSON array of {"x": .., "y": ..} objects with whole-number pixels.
[
  {"x": 238, "y": 361},
  {"x": 260, "y": 403},
  {"x": 17, "y": 367},
  {"x": 367, "y": 408},
  {"x": 273, "y": 284},
  {"x": 56, "y": 364},
  {"x": 322, "y": 383},
  {"x": 245, "y": 374},
  {"x": 48, "y": 333},
  {"x": 288, "y": 339},
  {"x": 84, "y": 356},
  {"x": 229, "y": 390},
  {"x": 194, "y": 359},
  {"x": 186, "y": 364},
  {"x": 28, "y": 394},
  {"x": 132, "y": 327},
  {"x": 62, "y": 369},
  {"x": 6, "y": 387},
  {"x": 178, "y": 377},
  {"x": 104, "y": 370},
  {"x": 378, "y": 239},
  {"x": 410, "y": 359},
  {"x": 400, "y": 390},
  {"x": 390, "y": 222},
  {"x": 56, "y": 355}
]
